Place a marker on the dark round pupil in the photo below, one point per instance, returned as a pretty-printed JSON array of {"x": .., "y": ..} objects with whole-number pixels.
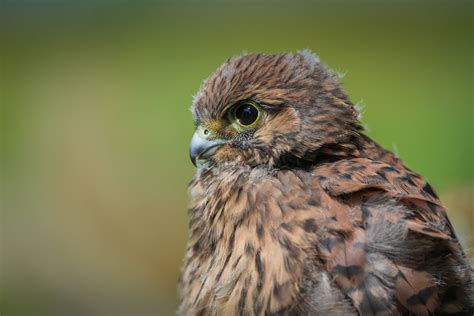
[{"x": 246, "y": 114}]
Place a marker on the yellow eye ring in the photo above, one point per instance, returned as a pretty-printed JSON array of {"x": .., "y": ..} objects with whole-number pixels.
[{"x": 246, "y": 114}]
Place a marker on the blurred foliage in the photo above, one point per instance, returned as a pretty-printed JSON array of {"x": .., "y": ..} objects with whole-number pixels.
[{"x": 95, "y": 127}]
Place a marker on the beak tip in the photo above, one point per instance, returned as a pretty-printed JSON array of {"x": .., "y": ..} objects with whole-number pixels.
[
  {"x": 193, "y": 160},
  {"x": 192, "y": 156}
]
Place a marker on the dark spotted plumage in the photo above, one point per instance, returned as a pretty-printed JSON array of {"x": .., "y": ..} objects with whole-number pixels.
[{"x": 302, "y": 214}]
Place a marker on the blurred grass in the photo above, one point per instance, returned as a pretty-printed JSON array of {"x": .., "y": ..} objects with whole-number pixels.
[{"x": 95, "y": 127}]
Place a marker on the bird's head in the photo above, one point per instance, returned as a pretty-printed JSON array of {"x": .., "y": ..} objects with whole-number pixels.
[{"x": 269, "y": 109}]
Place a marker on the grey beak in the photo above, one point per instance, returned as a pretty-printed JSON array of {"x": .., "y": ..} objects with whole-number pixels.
[{"x": 201, "y": 148}]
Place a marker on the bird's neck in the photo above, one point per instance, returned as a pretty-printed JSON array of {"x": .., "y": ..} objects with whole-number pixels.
[{"x": 354, "y": 146}]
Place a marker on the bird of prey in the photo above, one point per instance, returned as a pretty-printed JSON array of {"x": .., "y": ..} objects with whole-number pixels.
[{"x": 295, "y": 211}]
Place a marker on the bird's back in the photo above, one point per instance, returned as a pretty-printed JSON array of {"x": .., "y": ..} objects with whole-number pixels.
[{"x": 398, "y": 253}]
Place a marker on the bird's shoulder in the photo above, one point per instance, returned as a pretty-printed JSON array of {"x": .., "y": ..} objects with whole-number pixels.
[
  {"x": 396, "y": 252},
  {"x": 359, "y": 182}
]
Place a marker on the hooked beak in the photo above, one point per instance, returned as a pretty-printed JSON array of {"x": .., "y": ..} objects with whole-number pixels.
[{"x": 202, "y": 148}]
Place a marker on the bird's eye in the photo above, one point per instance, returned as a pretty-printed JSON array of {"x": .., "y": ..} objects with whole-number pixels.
[{"x": 246, "y": 114}]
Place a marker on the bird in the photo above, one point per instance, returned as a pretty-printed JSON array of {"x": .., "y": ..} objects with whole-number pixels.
[{"x": 294, "y": 210}]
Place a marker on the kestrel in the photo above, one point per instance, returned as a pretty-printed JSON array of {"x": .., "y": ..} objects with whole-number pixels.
[{"x": 294, "y": 211}]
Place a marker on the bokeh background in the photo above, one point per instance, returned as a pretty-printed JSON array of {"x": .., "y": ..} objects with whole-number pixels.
[{"x": 95, "y": 127}]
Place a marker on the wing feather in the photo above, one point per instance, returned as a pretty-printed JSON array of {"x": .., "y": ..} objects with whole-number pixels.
[{"x": 401, "y": 254}]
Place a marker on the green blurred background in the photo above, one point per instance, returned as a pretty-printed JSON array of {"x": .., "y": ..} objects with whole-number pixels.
[{"x": 95, "y": 127}]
